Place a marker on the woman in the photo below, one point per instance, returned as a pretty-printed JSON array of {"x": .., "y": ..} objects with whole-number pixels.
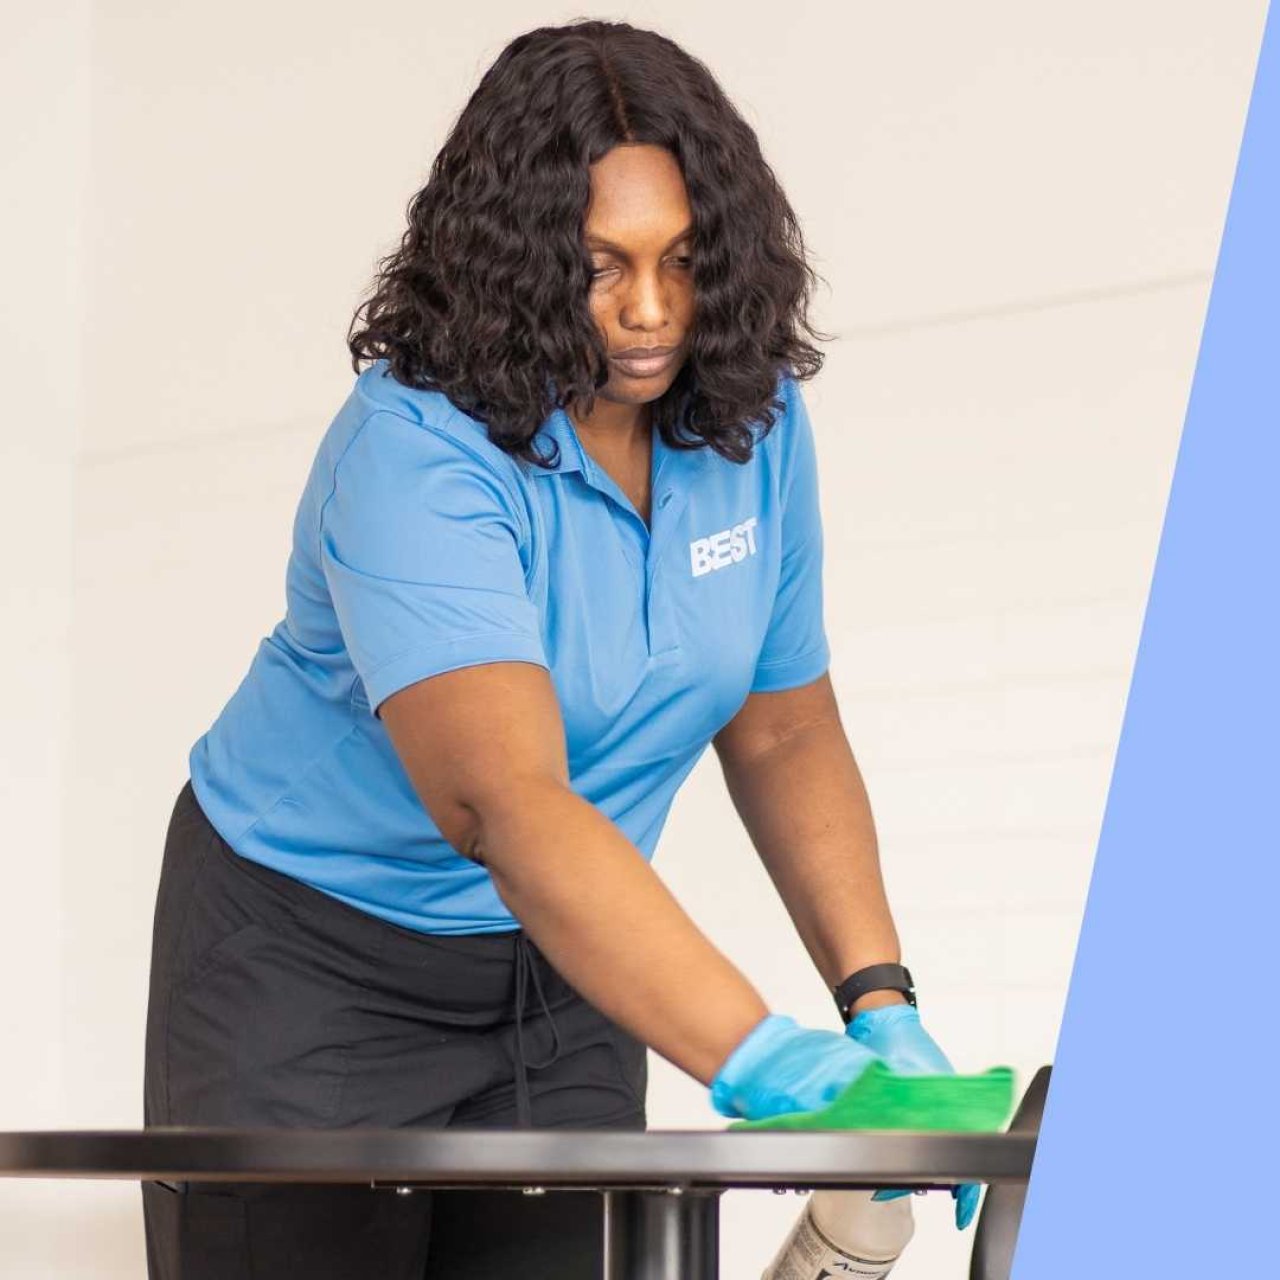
[{"x": 562, "y": 535}]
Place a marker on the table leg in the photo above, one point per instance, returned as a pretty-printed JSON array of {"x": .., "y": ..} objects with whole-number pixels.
[{"x": 662, "y": 1235}]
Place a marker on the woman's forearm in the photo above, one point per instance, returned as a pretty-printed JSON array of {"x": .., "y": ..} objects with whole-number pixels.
[
  {"x": 601, "y": 915},
  {"x": 807, "y": 812}
]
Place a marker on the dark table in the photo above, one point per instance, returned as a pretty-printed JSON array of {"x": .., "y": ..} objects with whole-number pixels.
[{"x": 660, "y": 1189}]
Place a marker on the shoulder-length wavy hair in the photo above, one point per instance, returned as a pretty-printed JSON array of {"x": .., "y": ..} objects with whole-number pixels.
[{"x": 486, "y": 298}]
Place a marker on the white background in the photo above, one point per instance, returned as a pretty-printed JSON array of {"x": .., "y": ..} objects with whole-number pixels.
[{"x": 1016, "y": 208}]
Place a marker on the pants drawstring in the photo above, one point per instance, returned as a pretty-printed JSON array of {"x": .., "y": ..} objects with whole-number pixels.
[{"x": 526, "y": 966}]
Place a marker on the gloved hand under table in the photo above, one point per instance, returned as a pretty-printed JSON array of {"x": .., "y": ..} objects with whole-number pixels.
[{"x": 894, "y": 1032}]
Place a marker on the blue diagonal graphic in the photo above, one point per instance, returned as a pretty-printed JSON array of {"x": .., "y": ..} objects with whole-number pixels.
[{"x": 1158, "y": 1152}]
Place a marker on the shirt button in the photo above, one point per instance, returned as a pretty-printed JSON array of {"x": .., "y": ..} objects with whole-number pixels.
[{"x": 666, "y": 497}]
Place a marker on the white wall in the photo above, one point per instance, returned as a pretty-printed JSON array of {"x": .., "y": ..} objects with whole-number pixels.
[
  {"x": 1017, "y": 209},
  {"x": 44, "y": 102}
]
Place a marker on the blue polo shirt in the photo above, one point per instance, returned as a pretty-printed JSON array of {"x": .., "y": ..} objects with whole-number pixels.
[{"x": 420, "y": 547}]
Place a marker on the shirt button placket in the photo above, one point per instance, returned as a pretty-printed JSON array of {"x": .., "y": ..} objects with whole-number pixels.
[{"x": 662, "y": 637}]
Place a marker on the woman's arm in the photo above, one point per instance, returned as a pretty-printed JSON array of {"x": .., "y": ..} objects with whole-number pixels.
[
  {"x": 484, "y": 749},
  {"x": 794, "y": 782}
]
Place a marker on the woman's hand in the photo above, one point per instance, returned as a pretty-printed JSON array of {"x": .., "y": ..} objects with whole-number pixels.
[
  {"x": 895, "y": 1033},
  {"x": 780, "y": 1067}
]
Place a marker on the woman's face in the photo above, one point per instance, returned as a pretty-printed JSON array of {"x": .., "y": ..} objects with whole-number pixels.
[{"x": 638, "y": 231}]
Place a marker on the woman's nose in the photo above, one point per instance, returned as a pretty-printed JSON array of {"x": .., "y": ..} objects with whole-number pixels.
[{"x": 648, "y": 304}]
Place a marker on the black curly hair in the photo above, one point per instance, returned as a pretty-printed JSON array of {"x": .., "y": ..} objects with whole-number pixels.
[{"x": 486, "y": 298}]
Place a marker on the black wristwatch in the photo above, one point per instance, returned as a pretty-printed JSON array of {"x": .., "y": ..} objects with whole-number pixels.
[{"x": 875, "y": 977}]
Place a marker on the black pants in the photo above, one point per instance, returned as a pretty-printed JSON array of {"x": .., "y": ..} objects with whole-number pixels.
[{"x": 273, "y": 1004}]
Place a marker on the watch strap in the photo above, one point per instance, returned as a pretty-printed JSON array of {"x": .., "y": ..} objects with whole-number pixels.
[{"x": 875, "y": 977}]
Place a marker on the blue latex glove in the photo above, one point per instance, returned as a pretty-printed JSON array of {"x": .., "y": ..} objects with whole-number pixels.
[
  {"x": 895, "y": 1033},
  {"x": 779, "y": 1067}
]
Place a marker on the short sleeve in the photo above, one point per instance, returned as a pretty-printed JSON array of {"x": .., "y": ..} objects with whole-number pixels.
[
  {"x": 795, "y": 649},
  {"x": 420, "y": 547}
]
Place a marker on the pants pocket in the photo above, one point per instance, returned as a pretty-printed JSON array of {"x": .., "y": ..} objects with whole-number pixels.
[
  {"x": 226, "y": 951},
  {"x": 257, "y": 1034}
]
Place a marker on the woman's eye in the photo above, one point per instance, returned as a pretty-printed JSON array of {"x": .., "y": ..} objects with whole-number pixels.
[{"x": 597, "y": 272}]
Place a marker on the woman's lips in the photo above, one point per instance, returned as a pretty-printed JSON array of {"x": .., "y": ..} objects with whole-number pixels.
[{"x": 646, "y": 366}]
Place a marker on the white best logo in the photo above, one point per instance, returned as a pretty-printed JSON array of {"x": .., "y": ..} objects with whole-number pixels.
[{"x": 727, "y": 547}]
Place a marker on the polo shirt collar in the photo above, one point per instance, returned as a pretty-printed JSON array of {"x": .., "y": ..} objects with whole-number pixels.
[{"x": 559, "y": 427}]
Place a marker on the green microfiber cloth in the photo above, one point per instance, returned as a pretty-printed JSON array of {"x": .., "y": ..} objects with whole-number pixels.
[{"x": 879, "y": 1098}]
